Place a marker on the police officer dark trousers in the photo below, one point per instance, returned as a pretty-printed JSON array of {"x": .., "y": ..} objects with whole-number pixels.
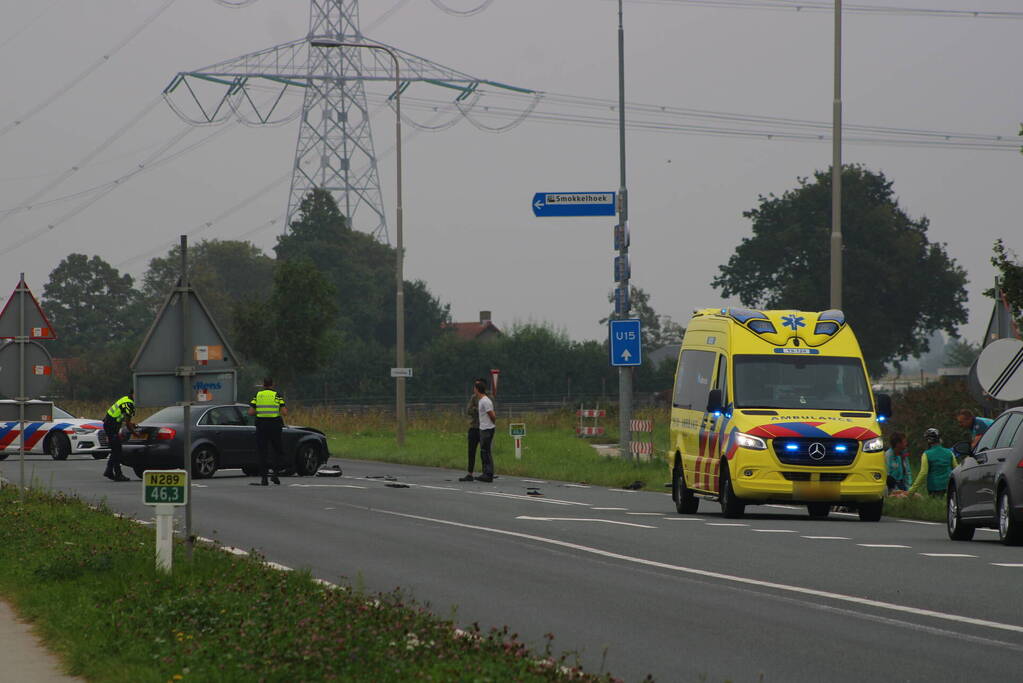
[
  {"x": 269, "y": 409},
  {"x": 121, "y": 411}
]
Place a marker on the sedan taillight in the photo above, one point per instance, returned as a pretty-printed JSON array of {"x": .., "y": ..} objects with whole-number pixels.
[{"x": 165, "y": 434}]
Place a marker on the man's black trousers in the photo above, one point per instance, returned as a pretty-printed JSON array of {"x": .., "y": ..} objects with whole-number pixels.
[{"x": 268, "y": 433}]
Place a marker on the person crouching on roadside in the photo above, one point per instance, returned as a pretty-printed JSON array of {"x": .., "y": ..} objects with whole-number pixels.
[
  {"x": 896, "y": 458},
  {"x": 936, "y": 465}
]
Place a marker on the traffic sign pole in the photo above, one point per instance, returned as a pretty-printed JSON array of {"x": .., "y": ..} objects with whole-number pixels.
[
  {"x": 164, "y": 537},
  {"x": 186, "y": 380},
  {"x": 22, "y": 339}
]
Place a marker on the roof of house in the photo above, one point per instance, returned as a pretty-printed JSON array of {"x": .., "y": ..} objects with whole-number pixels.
[{"x": 470, "y": 331}]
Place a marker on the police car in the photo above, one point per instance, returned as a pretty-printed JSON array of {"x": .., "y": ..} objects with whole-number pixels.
[{"x": 62, "y": 435}]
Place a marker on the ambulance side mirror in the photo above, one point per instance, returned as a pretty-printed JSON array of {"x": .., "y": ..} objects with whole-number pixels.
[
  {"x": 714, "y": 406},
  {"x": 884, "y": 406}
]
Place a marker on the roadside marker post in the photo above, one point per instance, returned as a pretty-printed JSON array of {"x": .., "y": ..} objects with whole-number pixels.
[
  {"x": 594, "y": 414},
  {"x": 165, "y": 490},
  {"x": 517, "y": 430}
]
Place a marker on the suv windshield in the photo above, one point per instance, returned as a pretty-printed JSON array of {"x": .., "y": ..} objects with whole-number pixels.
[{"x": 800, "y": 382}]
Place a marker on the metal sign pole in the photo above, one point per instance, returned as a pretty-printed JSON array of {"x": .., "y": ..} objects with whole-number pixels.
[
  {"x": 186, "y": 381},
  {"x": 22, "y": 339}
]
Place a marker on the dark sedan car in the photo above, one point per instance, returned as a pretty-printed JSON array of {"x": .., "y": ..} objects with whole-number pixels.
[
  {"x": 986, "y": 490},
  {"x": 223, "y": 436}
]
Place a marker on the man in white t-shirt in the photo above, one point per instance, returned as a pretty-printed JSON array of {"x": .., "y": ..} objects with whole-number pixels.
[{"x": 488, "y": 419}]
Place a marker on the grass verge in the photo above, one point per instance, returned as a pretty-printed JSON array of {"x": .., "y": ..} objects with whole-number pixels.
[
  {"x": 88, "y": 582},
  {"x": 926, "y": 508}
]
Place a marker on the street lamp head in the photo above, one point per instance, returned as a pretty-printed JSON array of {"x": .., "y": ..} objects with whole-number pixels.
[{"x": 325, "y": 42}]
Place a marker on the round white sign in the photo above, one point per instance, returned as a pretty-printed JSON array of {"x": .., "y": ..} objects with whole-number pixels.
[{"x": 1000, "y": 369}]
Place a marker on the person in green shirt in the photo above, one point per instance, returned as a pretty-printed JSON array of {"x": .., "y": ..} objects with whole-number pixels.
[
  {"x": 896, "y": 458},
  {"x": 936, "y": 465}
]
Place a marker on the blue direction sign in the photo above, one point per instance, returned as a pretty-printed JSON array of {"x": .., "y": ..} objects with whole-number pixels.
[
  {"x": 574, "y": 204},
  {"x": 626, "y": 348}
]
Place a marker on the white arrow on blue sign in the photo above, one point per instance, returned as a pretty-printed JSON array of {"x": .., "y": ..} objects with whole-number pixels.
[
  {"x": 625, "y": 345},
  {"x": 574, "y": 204}
]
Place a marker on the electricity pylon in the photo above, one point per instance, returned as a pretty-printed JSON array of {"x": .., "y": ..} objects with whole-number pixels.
[{"x": 335, "y": 143}]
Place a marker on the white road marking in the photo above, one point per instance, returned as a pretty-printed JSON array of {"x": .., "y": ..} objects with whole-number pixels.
[
  {"x": 683, "y": 519},
  {"x": 829, "y": 538},
  {"x": 574, "y": 486},
  {"x": 726, "y": 524},
  {"x": 609, "y": 508},
  {"x": 330, "y": 508},
  {"x": 324, "y": 582},
  {"x": 534, "y": 481},
  {"x": 883, "y": 545},
  {"x": 658, "y": 514},
  {"x": 439, "y": 488},
  {"x": 535, "y": 499},
  {"x": 205, "y": 540},
  {"x": 235, "y": 551},
  {"x": 775, "y": 531},
  {"x": 327, "y": 486},
  {"x": 920, "y": 521},
  {"x": 867, "y": 602},
  {"x": 846, "y": 514},
  {"x": 946, "y": 555},
  {"x": 200, "y": 486},
  {"x": 274, "y": 565},
  {"x": 142, "y": 521},
  {"x": 584, "y": 519},
  {"x": 782, "y": 507},
  {"x": 1007, "y": 564}
]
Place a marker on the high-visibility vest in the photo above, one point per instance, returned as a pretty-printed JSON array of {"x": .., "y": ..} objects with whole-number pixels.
[
  {"x": 268, "y": 403},
  {"x": 122, "y": 408}
]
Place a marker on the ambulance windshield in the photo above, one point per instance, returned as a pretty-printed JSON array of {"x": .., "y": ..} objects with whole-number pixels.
[{"x": 798, "y": 382}]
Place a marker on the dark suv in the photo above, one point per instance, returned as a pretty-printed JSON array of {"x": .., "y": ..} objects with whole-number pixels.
[{"x": 987, "y": 487}]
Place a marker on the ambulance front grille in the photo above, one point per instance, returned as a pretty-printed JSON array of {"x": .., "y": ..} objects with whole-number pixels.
[{"x": 816, "y": 452}]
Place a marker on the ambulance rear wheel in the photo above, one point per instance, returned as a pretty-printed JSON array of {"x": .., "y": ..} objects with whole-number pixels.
[
  {"x": 818, "y": 510},
  {"x": 685, "y": 502},
  {"x": 731, "y": 506}
]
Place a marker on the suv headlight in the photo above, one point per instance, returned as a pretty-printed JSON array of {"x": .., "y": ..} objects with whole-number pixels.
[
  {"x": 749, "y": 441},
  {"x": 874, "y": 445}
]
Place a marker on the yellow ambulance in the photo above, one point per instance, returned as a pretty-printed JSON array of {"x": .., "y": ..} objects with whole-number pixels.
[{"x": 775, "y": 406}]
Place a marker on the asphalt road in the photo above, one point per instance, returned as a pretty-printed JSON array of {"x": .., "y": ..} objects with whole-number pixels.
[{"x": 622, "y": 580}]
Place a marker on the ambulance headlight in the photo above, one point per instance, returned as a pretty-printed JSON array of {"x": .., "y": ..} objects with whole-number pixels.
[
  {"x": 874, "y": 445},
  {"x": 749, "y": 441}
]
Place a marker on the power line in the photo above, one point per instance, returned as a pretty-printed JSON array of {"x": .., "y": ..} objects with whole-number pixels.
[
  {"x": 56, "y": 94},
  {"x": 826, "y": 6},
  {"x": 50, "y": 5}
]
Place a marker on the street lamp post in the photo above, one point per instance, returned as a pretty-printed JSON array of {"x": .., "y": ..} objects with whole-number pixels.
[
  {"x": 836, "y": 168},
  {"x": 400, "y": 265}
]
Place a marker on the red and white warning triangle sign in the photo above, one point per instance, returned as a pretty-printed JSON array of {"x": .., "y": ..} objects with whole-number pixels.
[{"x": 36, "y": 326}]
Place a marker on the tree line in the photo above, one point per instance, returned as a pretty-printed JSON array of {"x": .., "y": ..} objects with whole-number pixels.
[{"x": 319, "y": 315}]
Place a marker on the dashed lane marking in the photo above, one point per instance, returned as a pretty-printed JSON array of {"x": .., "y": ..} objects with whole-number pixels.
[
  {"x": 584, "y": 519},
  {"x": 782, "y": 507},
  {"x": 609, "y": 508},
  {"x": 439, "y": 488},
  {"x": 235, "y": 551},
  {"x": 535, "y": 499},
  {"x": 829, "y": 538},
  {"x": 946, "y": 555},
  {"x": 883, "y": 545},
  {"x": 684, "y": 519},
  {"x": 327, "y": 486},
  {"x": 726, "y": 524},
  {"x": 574, "y": 486},
  {"x": 1007, "y": 564},
  {"x": 534, "y": 481},
  {"x": 776, "y": 531},
  {"x": 790, "y": 588},
  {"x": 658, "y": 514},
  {"x": 920, "y": 521}
]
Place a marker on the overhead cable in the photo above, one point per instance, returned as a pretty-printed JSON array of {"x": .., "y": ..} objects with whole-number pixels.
[
  {"x": 59, "y": 180},
  {"x": 56, "y": 94},
  {"x": 461, "y": 13},
  {"x": 829, "y": 6},
  {"x": 235, "y": 4},
  {"x": 46, "y": 8}
]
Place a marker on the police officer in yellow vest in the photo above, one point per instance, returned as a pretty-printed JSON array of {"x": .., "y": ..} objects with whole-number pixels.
[
  {"x": 269, "y": 409},
  {"x": 120, "y": 412}
]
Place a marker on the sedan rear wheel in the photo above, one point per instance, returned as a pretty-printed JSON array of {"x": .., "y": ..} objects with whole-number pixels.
[
  {"x": 204, "y": 462},
  {"x": 957, "y": 531},
  {"x": 1009, "y": 530}
]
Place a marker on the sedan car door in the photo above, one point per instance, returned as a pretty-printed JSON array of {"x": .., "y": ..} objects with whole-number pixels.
[
  {"x": 225, "y": 427},
  {"x": 976, "y": 494}
]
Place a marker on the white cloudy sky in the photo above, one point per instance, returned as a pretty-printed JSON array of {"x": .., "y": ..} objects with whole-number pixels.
[{"x": 468, "y": 226}]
